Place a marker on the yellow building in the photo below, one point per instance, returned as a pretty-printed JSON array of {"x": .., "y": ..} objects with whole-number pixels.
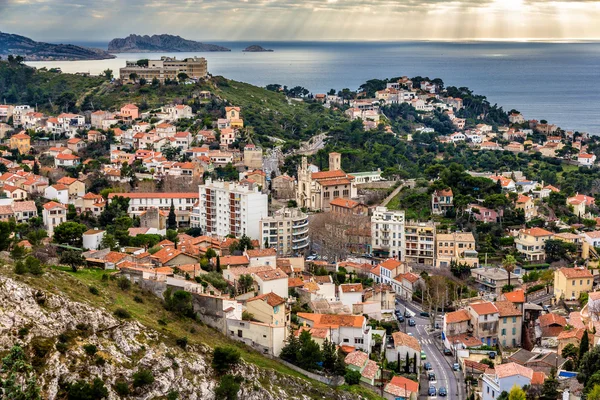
[
  {"x": 569, "y": 283},
  {"x": 21, "y": 141},
  {"x": 526, "y": 204},
  {"x": 458, "y": 247},
  {"x": 530, "y": 243},
  {"x": 420, "y": 242}
]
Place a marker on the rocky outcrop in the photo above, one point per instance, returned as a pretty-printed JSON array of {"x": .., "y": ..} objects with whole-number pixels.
[
  {"x": 256, "y": 49},
  {"x": 31, "y": 50},
  {"x": 29, "y": 317},
  {"x": 159, "y": 43}
]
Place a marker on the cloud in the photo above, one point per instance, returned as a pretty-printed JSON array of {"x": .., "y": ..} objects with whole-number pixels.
[{"x": 303, "y": 19}]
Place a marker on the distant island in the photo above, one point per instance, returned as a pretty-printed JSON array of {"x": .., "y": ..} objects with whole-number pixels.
[
  {"x": 31, "y": 50},
  {"x": 159, "y": 43},
  {"x": 256, "y": 49}
]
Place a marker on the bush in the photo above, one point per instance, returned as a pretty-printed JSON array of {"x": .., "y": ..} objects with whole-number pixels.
[
  {"x": 121, "y": 387},
  {"x": 142, "y": 377},
  {"x": 123, "y": 283},
  {"x": 182, "y": 342},
  {"x": 104, "y": 278},
  {"x": 122, "y": 313},
  {"x": 82, "y": 390},
  {"x": 138, "y": 299},
  {"x": 94, "y": 290},
  {"x": 352, "y": 377},
  {"x": 23, "y": 332},
  {"x": 90, "y": 349},
  {"x": 228, "y": 388},
  {"x": 225, "y": 357},
  {"x": 162, "y": 321},
  {"x": 100, "y": 361},
  {"x": 82, "y": 327},
  {"x": 173, "y": 395},
  {"x": 61, "y": 347},
  {"x": 535, "y": 288},
  {"x": 20, "y": 268}
]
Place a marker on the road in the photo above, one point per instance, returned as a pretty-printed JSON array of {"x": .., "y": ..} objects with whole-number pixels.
[{"x": 431, "y": 343}]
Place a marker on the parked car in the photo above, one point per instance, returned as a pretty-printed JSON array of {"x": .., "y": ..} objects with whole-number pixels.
[
  {"x": 400, "y": 318},
  {"x": 423, "y": 355},
  {"x": 437, "y": 325},
  {"x": 442, "y": 392},
  {"x": 456, "y": 366},
  {"x": 427, "y": 366},
  {"x": 424, "y": 314},
  {"x": 411, "y": 322},
  {"x": 431, "y": 376},
  {"x": 311, "y": 258},
  {"x": 432, "y": 391},
  {"x": 447, "y": 351},
  {"x": 492, "y": 355}
]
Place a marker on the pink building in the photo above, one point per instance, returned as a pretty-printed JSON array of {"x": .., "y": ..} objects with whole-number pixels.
[{"x": 130, "y": 112}]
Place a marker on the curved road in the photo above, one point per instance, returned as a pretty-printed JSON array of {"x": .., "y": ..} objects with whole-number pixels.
[{"x": 431, "y": 344}]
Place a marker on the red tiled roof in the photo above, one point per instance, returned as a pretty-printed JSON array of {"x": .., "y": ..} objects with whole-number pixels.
[
  {"x": 484, "y": 308},
  {"x": 517, "y": 296},
  {"x": 552, "y": 319},
  {"x": 457, "y": 316},
  {"x": 536, "y": 232},
  {"x": 507, "y": 309},
  {"x": 270, "y": 298},
  {"x": 571, "y": 273},
  {"x": 333, "y": 320}
]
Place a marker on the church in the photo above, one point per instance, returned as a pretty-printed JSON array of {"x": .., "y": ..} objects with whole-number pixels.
[{"x": 315, "y": 190}]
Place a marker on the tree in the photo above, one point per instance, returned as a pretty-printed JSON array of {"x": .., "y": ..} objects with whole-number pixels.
[
  {"x": 550, "y": 389},
  {"x": 20, "y": 380},
  {"x": 224, "y": 358},
  {"x": 245, "y": 243},
  {"x": 36, "y": 168},
  {"x": 182, "y": 76},
  {"x": 310, "y": 352},
  {"x": 18, "y": 252},
  {"x": 245, "y": 282},
  {"x": 509, "y": 263},
  {"x": 516, "y": 393},
  {"x": 228, "y": 388},
  {"x": 142, "y": 377},
  {"x": 352, "y": 377},
  {"x": 72, "y": 258},
  {"x": 557, "y": 250},
  {"x": 588, "y": 365},
  {"x": 109, "y": 242},
  {"x": 6, "y": 229},
  {"x": 218, "y": 266},
  {"x": 133, "y": 76},
  {"x": 108, "y": 74},
  {"x": 70, "y": 233},
  {"x": 81, "y": 390},
  {"x": 172, "y": 219},
  {"x": 584, "y": 345},
  {"x": 329, "y": 356},
  {"x": 570, "y": 351},
  {"x": 179, "y": 302},
  {"x": 594, "y": 394},
  {"x": 290, "y": 351}
]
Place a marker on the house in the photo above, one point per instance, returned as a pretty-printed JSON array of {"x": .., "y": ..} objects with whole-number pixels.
[
  {"x": 178, "y": 111},
  {"x": 57, "y": 192},
  {"x": 549, "y": 326},
  {"x": 402, "y": 388},
  {"x": 53, "y": 215},
  {"x": 66, "y": 160},
  {"x": 455, "y": 323},
  {"x": 401, "y": 345},
  {"x": 341, "y": 206},
  {"x": 388, "y": 233},
  {"x": 75, "y": 186},
  {"x": 359, "y": 361},
  {"x": 406, "y": 284},
  {"x": 586, "y": 160},
  {"x": 92, "y": 239},
  {"x": 171, "y": 257},
  {"x": 492, "y": 279},
  {"x": 21, "y": 142},
  {"x": 389, "y": 269},
  {"x": 269, "y": 308},
  {"x": 350, "y": 293},
  {"x": 503, "y": 378},
  {"x": 516, "y": 297},
  {"x": 442, "y": 201},
  {"x": 22, "y": 211},
  {"x": 516, "y": 118},
  {"x": 592, "y": 238},
  {"x": 13, "y": 192},
  {"x": 75, "y": 144},
  {"x": 129, "y": 112},
  {"x": 490, "y": 146},
  {"x": 456, "y": 247},
  {"x": 484, "y": 321},
  {"x": 275, "y": 281},
  {"x": 483, "y": 214},
  {"x": 580, "y": 202},
  {"x": 570, "y": 283},
  {"x": 510, "y": 323},
  {"x": 94, "y": 136},
  {"x": 525, "y": 203},
  {"x": 282, "y": 187},
  {"x": 530, "y": 243},
  {"x": 572, "y": 336},
  {"x": 344, "y": 330},
  {"x": 257, "y": 257}
]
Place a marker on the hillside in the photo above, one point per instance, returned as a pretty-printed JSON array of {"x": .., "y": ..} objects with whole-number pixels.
[
  {"x": 256, "y": 49},
  {"x": 31, "y": 50},
  {"x": 159, "y": 43},
  {"x": 55, "y": 318}
]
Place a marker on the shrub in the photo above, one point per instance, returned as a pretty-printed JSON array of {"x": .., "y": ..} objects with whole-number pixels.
[
  {"x": 142, "y": 377},
  {"x": 61, "y": 347},
  {"x": 82, "y": 327},
  {"x": 182, "y": 342},
  {"x": 352, "y": 377},
  {"x": 138, "y": 299},
  {"x": 123, "y": 283},
  {"x": 41, "y": 347},
  {"x": 23, "y": 332},
  {"x": 162, "y": 321},
  {"x": 94, "y": 290},
  {"x": 121, "y": 387},
  {"x": 20, "y": 268},
  {"x": 90, "y": 349},
  {"x": 82, "y": 390},
  {"x": 173, "y": 395},
  {"x": 100, "y": 361},
  {"x": 122, "y": 313},
  {"x": 104, "y": 278},
  {"x": 225, "y": 357},
  {"x": 228, "y": 388}
]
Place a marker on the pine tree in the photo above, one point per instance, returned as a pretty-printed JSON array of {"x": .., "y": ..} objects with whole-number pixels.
[
  {"x": 584, "y": 346},
  {"x": 329, "y": 356},
  {"x": 36, "y": 168},
  {"x": 340, "y": 364},
  {"x": 407, "y": 364},
  {"x": 219, "y": 270},
  {"x": 415, "y": 363},
  {"x": 172, "y": 219}
]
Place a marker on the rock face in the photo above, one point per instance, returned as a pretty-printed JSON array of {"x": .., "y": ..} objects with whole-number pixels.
[
  {"x": 256, "y": 49},
  {"x": 126, "y": 346},
  {"x": 37, "y": 51},
  {"x": 159, "y": 43}
]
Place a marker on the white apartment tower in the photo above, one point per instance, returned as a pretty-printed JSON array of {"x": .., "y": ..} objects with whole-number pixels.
[
  {"x": 286, "y": 231},
  {"x": 230, "y": 208},
  {"x": 387, "y": 233}
]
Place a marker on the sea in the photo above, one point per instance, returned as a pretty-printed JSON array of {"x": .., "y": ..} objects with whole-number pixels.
[{"x": 555, "y": 81}]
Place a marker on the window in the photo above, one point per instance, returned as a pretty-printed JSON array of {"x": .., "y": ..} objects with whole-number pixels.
[
  {"x": 358, "y": 340},
  {"x": 503, "y": 332},
  {"x": 514, "y": 320},
  {"x": 573, "y": 283},
  {"x": 346, "y": 340},
  {"x": 504, "y": 320},
  {"x": 514, "y": 331},
  {"x": 239, "y": 333}
]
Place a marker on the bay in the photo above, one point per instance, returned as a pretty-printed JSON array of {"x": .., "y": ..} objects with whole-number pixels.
[{"x": 559, "y": 82}]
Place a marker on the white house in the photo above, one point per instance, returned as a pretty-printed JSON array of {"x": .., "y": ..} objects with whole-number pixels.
[
  {"x": 58, "y": 192},
  {"x": 66, "y": 160},
  {"x": 586, "y": 160},
  {"x": 92, "y": 239},
  {"x": 258, "y": 257},
  {"x": 350, "y": 293},
  {"x": 275, "y": 281},
  {"x": 348, "y": 330},
  {"x": 53, "y": 215},
  {"x": 403, "y": 344},
  {"x": 593, "y": 238},
  {"x": 504, "y": 377}
]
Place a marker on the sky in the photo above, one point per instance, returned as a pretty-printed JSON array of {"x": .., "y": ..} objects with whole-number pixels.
[{"x": 247, "y": 20}]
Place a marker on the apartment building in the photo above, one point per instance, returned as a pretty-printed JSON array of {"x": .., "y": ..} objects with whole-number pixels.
[
  {"x": 229, "y": 208},
  {"x": 442, "y": 201},
  {"x": 492, "y": 279},
  {"x": 387, "y": 233},
  {"x": 569, "y": 283},
  {"x": 458, "y": 247},
  {"x": 420, "y": 242},
  {"x": 484, "y": 322},
  {"x": 53, "y": 215},
  {"x": 286, "y": 231},
  {"x": 139, "y": 203},
  {"x": 165, "y": 68},
  {"x": 530, "y": 243},
  {"x": 509, "y": 324}
]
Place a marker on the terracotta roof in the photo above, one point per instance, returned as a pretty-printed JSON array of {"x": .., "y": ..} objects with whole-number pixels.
[
  {"x": 572, "y": 333},
  {"x": 271, "y": 299},
  {"x": 512, "y": 369},
  {"x": 409, "y": 276},
  {"x": 507, "y": 309},
  {"x": 399, "y": 386},
  {"x": 59, "y": 186},
  {"x": 333, "y": 320},
  {"x": 295, "y": 282},
  {"x": 522, "y": 199},
  {"x": 63, "y": 156},
  {"x": 351, "y": 288},
  {"x": 402, "y": 339},
  {"x": 466, "y": 339},
  {"x": 155, "y": 195},
  {"x": 234, "y": 260},
  {"x": 390, "y": 264},
  {"x": 271, "y": 275},
  {"x": 552, "y": 319},
  {"x": 344, "y": 203},
  {"x": 166, "y": 254},
  {"x": 536, "y": 232},
  {"x": 472, "y": 365},
  {"x": 20, "y": 206},
  {"x": 571, "y": 273},
  {"x": 444, "y": 192},
  {"x": 261, "y": 252},
  {"x": 130, "y": 106},
  {"x": 319, "y": 333},
  {"x": 67, "y": 180},
  {"x": 52, "y": 204},
  {"x": 357, "y": 358},
  {"x": 516, "y": 296},
  {"x": 457, "y": 316},
  {"x": 538, "y": 378},
  {"x": 338, "y": 173},
  {"x": 370, "y": 370},
  {"x": 484, "y": 308},
  {"x": 114, "y": 257}
]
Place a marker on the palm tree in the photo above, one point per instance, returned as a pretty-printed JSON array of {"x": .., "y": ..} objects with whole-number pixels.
[{"x": 509, "y": 265}]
